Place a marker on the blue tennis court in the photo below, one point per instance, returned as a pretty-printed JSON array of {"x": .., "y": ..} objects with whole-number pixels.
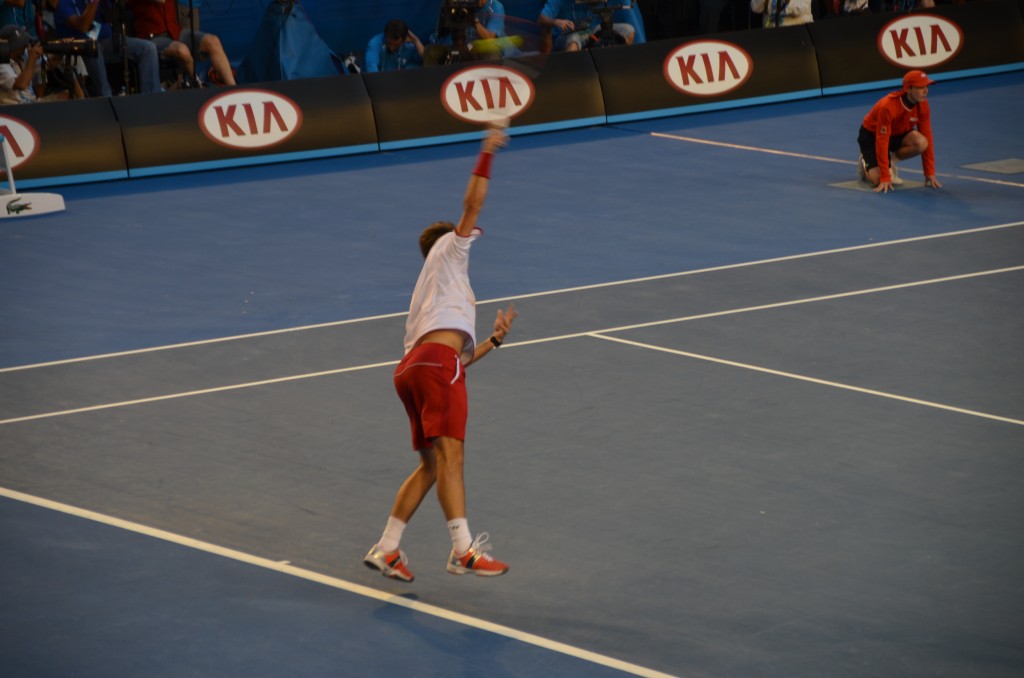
[{"x": 751, "y": 421}]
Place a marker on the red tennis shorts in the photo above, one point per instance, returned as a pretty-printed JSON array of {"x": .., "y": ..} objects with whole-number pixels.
[{"x": 431, "y": 382}]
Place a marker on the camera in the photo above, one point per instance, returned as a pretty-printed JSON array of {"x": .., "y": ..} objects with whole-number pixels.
[
  {"x": 456, "y": 16},
  {"x": 65, "y": 46},
  {"x": 71, "y": 47}
]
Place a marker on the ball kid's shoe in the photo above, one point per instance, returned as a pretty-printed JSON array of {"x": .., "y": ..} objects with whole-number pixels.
[
  {"x": 895, "y": 178},
  {"x": 862, "y": 169},
  {"x": 476, "y": 560},
  {"x": 391, "y": 565}
]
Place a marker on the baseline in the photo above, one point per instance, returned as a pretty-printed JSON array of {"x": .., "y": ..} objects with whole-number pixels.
[{"x": 284, "y": 567}]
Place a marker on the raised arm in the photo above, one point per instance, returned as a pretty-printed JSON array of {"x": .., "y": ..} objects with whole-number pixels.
[{"x": 476, "y": 189}]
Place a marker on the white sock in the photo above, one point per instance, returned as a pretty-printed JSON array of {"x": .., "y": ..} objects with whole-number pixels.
[
  {"x": 392, "y": 535},
  {"x": 461, "y": 537}
]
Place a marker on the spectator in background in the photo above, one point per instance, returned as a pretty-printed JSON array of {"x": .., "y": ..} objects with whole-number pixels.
[
  {"x": 396, "y": 49},
  {"x": 834, "y": 8},
  {"x": 81, "y": 19},
  {"x": 157, "y": 20},
  {"x": 777, "y": 13},
  {"x": 575, "y": 25},
  {"x": 19, "y": 13}
]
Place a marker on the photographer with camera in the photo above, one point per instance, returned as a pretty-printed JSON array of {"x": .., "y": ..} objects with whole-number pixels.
[
  {"x": 580, "y": 24},
  {"x": 464, "y": 31},
  {"x": 81, "y": 19},
  {"x": 23, "y": 79}
]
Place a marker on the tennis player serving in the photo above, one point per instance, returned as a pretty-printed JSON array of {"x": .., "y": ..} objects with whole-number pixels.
[{"x": 431, "y": 382}]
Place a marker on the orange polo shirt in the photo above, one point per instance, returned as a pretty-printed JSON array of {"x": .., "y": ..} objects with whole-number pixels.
[{"x": 889, "y": 117}]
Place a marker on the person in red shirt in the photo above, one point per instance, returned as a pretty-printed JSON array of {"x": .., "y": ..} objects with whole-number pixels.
[
  {"x": 898, "y": 127},
  {"x": 158, "y": 21}
]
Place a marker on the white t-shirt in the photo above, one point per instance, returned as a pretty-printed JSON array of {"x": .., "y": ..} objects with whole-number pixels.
[
  {"x": 9, "y": 72},
  {"x": 443, "y": 298}
]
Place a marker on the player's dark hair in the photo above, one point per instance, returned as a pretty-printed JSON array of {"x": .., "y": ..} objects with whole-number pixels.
[
  {"x": 432, "y": 233},
  {"x": 396, "y": 29}
]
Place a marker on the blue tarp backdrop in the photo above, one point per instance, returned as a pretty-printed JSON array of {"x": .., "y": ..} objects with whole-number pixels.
[{"x": 287, "y": 47}]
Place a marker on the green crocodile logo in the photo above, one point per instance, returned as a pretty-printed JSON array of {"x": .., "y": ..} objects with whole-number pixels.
[{"x": 15, "y": 207}]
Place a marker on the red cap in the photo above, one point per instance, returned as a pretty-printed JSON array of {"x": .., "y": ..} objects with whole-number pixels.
[{"x": 916, "y": 79}]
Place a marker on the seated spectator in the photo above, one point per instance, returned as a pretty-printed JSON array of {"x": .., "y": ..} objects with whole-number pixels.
[
  {"x": 19, "y": 13},
  {"x": 19, "y": 83},
  {"x": 783, "y": 12},
  {"x": 396, "y": 49},
  {"x": 470, "y": 41},
  {"x": 56, "y": 74},
  {"x": 577, "y": 27},
  {"x": 157, "y": 20},
  {"x": 81, "y": 19}
]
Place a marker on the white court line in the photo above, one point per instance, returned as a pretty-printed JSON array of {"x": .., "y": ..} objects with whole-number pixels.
[
  {"x": 581, "y": 288},
  {"x": 586, "y": 333},
  {"x": 805, "y": 156},
  {"x": 813, "y": 380},
  {"x": 285, "y": 568},
  {"x": 205, "y": 391}
]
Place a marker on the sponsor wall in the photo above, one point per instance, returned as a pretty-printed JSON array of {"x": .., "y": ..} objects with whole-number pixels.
[{"x": 290, "y": 120}]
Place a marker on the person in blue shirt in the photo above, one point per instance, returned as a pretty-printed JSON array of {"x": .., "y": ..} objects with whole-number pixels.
[
  {"x": 570, "y": 26},
  {"x": 78, "y": 19},
  {"x": 19, "y": 13},
  {"x": 396, "y": 49},
  {"x": 488, "y": 24}
]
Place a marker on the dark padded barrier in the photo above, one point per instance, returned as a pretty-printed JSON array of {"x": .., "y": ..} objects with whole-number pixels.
[
  {"x": 636, "y": 82},
  {"x": 850, "y": 56},
  {"x": 66, "y": 142},
  {"x": 246, "y": 125},
  {"x": 409, "y": 110}
]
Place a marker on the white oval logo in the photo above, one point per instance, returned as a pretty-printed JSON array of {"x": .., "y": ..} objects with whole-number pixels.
[
  {"x": 487, "y": 93},
  {"x": 250, "y": 118},
  {"x": 22, "y": 140},
  {"x": 707, "y": 68},
  {"x": 920, "y": 40}
]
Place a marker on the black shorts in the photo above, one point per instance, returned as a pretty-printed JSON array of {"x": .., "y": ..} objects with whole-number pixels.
[{"x": 866, "y": 140}]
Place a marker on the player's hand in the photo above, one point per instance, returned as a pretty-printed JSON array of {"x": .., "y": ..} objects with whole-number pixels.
[
  {"x": 932, "y": 182},
  {"x": 496, "y": 137},
  {"x": 503, "y": 322},
  {"x": 883, "y": 187},
  {"x": 564, "y": 25}
]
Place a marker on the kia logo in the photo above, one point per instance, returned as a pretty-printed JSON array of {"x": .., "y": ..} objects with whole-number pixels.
[
  {"x": 920, "y": 40},
  {"x": 486, "y": 93},
  {"x": 707, "y": 68},
  {"x": 22, "y": 140},
  {"x": 250, "y": 118}
]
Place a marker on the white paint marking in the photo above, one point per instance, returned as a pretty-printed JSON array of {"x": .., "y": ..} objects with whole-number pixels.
[
  {"x": 566, "y": 290},
  {"x": 813, "y": 380},
  {"x": 205, "y": 391},
  {"x": 805, "y": 156},
  {"x": 285, "y": 568},
  {"x": 587, "y": 333}
]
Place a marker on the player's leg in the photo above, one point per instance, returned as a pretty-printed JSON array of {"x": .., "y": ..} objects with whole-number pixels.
[
  {"x": 913, "y": 144},
  {"x": 415, "y": 488},
  {"x": 468, "y": 555}
]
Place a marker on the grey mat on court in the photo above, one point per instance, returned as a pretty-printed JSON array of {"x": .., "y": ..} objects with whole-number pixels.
[
  {"x": 1007, "y": 166},
  {"x": 864, "y": 186}
]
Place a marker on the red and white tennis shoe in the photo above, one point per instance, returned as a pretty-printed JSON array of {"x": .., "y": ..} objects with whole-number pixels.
[
  {"x": 476, "y": 560},
  {"x": 391, "y": 565}
]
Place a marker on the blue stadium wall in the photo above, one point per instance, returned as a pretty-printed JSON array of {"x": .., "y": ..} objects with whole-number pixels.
[{"x": 281, "y": 121}]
